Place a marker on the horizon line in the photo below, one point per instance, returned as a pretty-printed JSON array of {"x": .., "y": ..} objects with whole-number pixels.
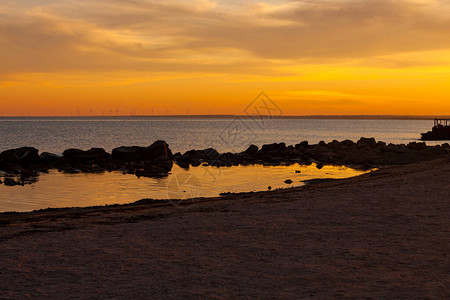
[{"x": 226, "y": 116}]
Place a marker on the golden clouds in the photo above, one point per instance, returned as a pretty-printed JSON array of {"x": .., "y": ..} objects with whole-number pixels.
[{"x": 182, "y": 52}]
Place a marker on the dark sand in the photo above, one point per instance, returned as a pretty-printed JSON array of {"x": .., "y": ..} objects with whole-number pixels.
[{"x": 380, "y": 235}]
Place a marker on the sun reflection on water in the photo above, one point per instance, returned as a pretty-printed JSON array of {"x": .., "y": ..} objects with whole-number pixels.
[{"x": 66, "y": 190}]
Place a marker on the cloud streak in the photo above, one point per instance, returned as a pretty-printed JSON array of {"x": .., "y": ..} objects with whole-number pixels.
[{"x": 179, "y": 36}]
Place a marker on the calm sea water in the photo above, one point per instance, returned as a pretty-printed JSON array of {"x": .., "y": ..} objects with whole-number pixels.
[
  {"x": 57, "y": 134},
  {"x": 235, "y": 135}
]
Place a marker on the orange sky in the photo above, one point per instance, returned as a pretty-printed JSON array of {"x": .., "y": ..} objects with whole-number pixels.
[{"x": 213, "y": 57}]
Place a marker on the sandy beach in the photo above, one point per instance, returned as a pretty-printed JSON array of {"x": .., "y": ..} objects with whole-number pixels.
[{"x": 385, "y": 234}]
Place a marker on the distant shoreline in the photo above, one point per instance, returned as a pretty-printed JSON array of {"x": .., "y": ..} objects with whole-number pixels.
[{"x": 306, "y": 117}]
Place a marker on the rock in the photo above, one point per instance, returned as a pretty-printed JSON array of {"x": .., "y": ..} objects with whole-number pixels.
[
  {"x": 334, "y": 145},
  {"x": 394, "y": 158},
  {"x": 363, "y": 157},
  {"x": 348, "y": 143},
  {"x": 303, "y": 145},
  {"x": 191, "y": 154},
  {"x": 197, "y": 157},
  {"x": 183, "y": 164},
  {"x": 24, "y": 156},
  {"x": 49, "y": 157},
  {"x": 288, "y": 181},
  {"x": 99, "y": 153},
  {"x": 73, "y": 153},
  {"x": 433, "y": 152},
  {"x": 297, "y": 171},
  {"x": 273, "y": 159},
  {"x": 401, "y": 148},
  {"x": 28, "y": 156},
  {"x": 274, "y": 148},
  {"x": 196, "y": 163},
  {"x": 89, "y": 157},
  {"x": 417, "y": 146},
  {"x": 210, "y": 154},
  {"x": 252, "y": 149},
  {"x": 10, "y": 182},
  {"x": 381, "y": 145},
  {"x": 269, "y": 187},
  {"x": 126, "y": 153},
  {"x": 371, "y": 142},
  {"x": 156, "y": 150},
  {"x": 24, "y": 173}
]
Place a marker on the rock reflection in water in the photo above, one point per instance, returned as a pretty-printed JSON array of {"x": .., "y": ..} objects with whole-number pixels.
[{"x": 57, "y": 189}]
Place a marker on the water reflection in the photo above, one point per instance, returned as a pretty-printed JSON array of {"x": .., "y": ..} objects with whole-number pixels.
[{"x": 66, "y": 190}]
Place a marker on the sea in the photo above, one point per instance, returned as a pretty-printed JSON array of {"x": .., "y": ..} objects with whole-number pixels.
[{"x": 231, "y": 134}]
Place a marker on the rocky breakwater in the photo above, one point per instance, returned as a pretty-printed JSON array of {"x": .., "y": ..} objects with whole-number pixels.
[
  {"x": 366, "y": 153},
  {"x": 22, "y": 165}
]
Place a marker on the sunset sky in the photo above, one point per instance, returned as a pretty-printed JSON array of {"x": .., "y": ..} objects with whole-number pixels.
[{"x": 94, "y": 57}]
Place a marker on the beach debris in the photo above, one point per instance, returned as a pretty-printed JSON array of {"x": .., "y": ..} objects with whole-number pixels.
[{"x": 288, "y": 181}]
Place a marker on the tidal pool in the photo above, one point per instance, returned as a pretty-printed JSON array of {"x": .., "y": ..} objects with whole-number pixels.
[{"x": 57, "y": 189}]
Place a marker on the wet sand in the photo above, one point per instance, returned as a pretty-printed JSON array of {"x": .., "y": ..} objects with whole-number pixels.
[{"x": 384, "y": 234}]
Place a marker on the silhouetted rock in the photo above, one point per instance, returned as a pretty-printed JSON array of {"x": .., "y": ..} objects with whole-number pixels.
[
  {"x": 98, "y": 154},
  {"x": 155, "y": 151},
  {"x": 371, "y": 142},
  {"x": 417, "y": 146},
  {"x": 228, "y": 159},
  {"x": 24, "y": 156},
  {"x": 433, "y": 152},
  {"x": 335, "y": 145},
  {"x": 47, "y": 157},
  {"x": 381, "y": 145},
  {"x": 252, "y": 149},
  {"x": 273, "y": 148},
  {"x": 348, "y": 143},
  {"x": 126, "y": 153},
  {"x": 71, "y": 153},
  {"x": 197, "y": 157},
  {"x": 399, "y": 148},
  {"x": 10, "y": 182},
  {"x": 303, "y": 145},
  {"x": 288, "y": 181},
  {"x": 210, "y": 154},
  {"x": 92, "y": 157},
  {"x": 24, "y": 173}
]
